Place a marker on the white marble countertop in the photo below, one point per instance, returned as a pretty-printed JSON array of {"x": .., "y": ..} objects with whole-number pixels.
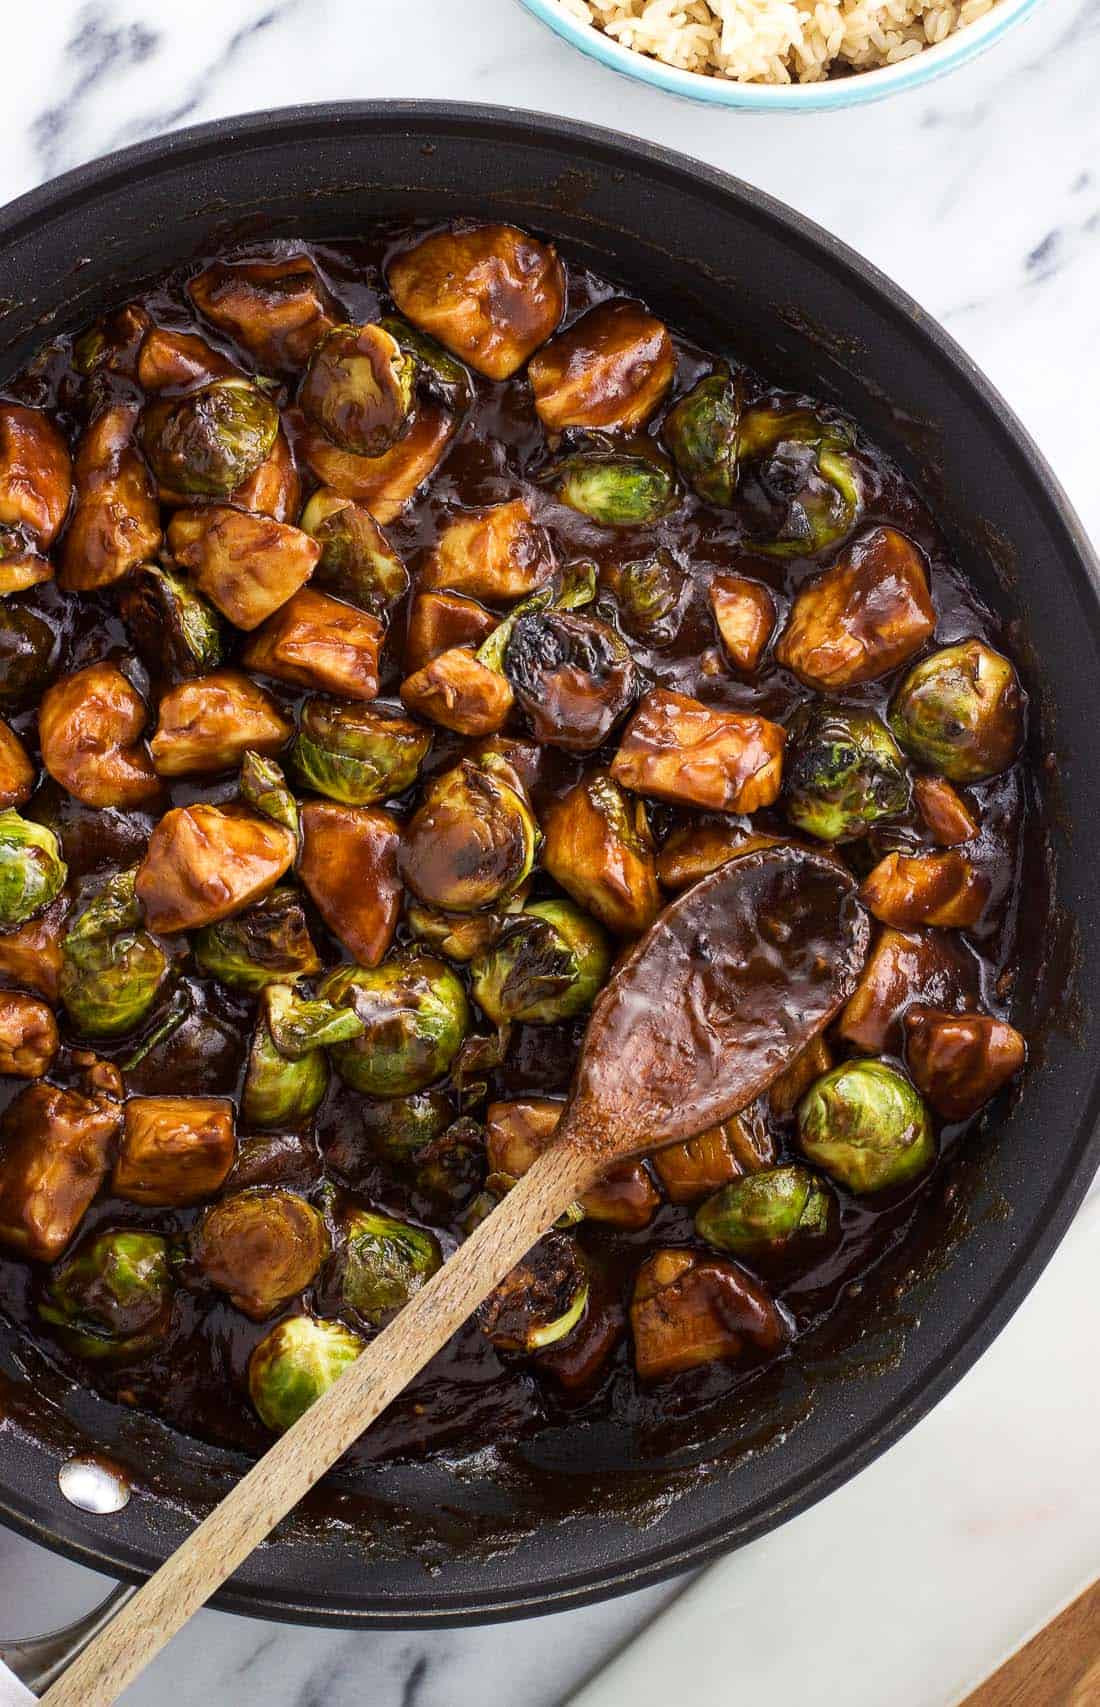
[{"x": 982, "y": 197}]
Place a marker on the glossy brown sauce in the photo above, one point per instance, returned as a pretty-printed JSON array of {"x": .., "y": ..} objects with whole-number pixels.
[{"x": 471, "y": 1395}]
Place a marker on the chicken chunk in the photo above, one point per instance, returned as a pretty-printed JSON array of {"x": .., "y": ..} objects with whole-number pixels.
[
  {"x": 208, "y": 723},
  {"x": 205, "y": 862},
  {"x": 866, "y": 615},
  {"x": 175, "y": 1151},
  {"x": 959, "y": 1061},
  {"x": 247, "y": 565},
  {"x": 349, "y": 867},
  {"x": 678, "y": 749},
  {"x": 315, "y": 641},
  {"x": 499, "y": 553},
  {"x": 609, "y": 371}
]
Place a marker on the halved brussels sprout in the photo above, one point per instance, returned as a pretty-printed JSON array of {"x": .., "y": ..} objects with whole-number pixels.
[
  {"x": 541, "y": 1301},
  {"x": 690, "y": 1309},
  {"x": 961, "y": 712},
  {"x": 439, "y": 375},
  {"x": 175, "y": 1150},
  {"x": 381, "y": 1262},
  {"x": 266, "y": 944},
  {"x": 279, "y": 1093},
  {"x": 702, "y": 432},
  {"x": 28, "y": 1035},
  {"x": 804, "y": 468},
  {"x": 28, "y": 654},
  {"x": 608, "y": 371},
  {"x": 294, "y": 1364},
  {"x": 451, "y": 1168},
  {"x": 357, "y": 753},
  {"x": 90, "y": 728},
  {"x": 358, "y": 388},
  {"x": 548, "y": 963},
  {"x": 460, "y": 936},
  {"x": 566, "y": 590},
  {"x": 357, "y": 562},
  {"x": 113, "y": 1297},
  {"x": 207, "y": 724},
  {"x": 676, "y": 748},
  {"x": 599, "y": 849},
  {"x": 204, "y": 863},
  {"x": 264, "y": 787},
  {"x": 491, "y": 294},
  {"x": 171, "y": 625},
  {"x": 209, "y": 442},
  {"x": 349, "y": 867},
  {"x": 650, "y": 595},
  {"x": 616, "y": 488},
  {"x": 32, "y": 871},
  {"x": 396, "y": 1128},
  {"x": 415, "y": 1016},
  {"x": 843, "y": 773},
  {"x": 471, "y": 843},
  {"x": 771, "y": 1213},
  {"x": 866, "y": 1126},
  {"x": 112, "y": 972},
  {"x": 572, "y": 676},
  {"x": 261, "y": 1247}
]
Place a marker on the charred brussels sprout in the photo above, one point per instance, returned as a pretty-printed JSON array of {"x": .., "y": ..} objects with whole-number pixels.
[
  {"x": 266, "y": 944},
  {"x": 770, "y": 1213},
  {"x": 471, "y": 843},
  {"x": 356, "y": 753},
  {"x": 210, "y": 441},
  {"x": 572, "y": 676},
  {"x": 541, "y": 1301},
  {"x": 173, "y": 628},
  {"x": 415, "y": 1016},
  {"x": 805, "y": 474},
  {"x": 358, "y": 388},
  {"x": 961, "y": 712},
  {"x": 32, "y": 871},
  {"x": 616, "y": 489},
  {"x": 866, "y": 1126},
  {"x": 111, "y": 971},
  {"x": 294, "y": 1364},
  {"x": 702, "y": 432},
  {"x": 113, "y": 1297},
  {"x": 278, "y": 1092},
  {"x": 452, "y": 1167},
  {"x": 261, "y": 1247},
  {"x": 357, "y": 561},
  {"x": 547, "y": 964},
  {"x": 381, "y": 1263},
  {"x": 843, "y": 772},
  {"x": 28, "y": 649}
]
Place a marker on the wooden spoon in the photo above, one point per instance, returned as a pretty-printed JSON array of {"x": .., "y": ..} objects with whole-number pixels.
[{"x": 725, "y": 989}]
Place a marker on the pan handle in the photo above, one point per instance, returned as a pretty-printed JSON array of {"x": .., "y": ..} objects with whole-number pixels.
[{"x": 39, "y": 1661}]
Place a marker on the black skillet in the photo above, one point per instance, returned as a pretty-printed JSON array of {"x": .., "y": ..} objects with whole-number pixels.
[{"x": 574, "y": 1516}]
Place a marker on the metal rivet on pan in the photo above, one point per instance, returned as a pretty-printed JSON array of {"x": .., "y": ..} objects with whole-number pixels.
[{"x": 94, "y": 1484}]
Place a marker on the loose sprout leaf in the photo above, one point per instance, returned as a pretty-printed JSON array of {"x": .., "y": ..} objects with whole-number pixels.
[
  {"x": 298, "y": 1025},
  {"x": 264, "y": 786}
]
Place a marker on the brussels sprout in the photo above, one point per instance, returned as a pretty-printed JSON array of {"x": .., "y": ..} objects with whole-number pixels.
[
  {"x": 172, "y": 627},
  {"x": 109, "y": 983},
  {"x": 266, "y": 944},
  {"x": 616, "y": 489},
  {"x": 572, "y": 676},
  {"x": 702, "y": 432},
  {"x": 32, "y": 871},
  {"x": 395, "y": 1129},
  {"x": 842, "y": 773},
  {"x": 294, "y": 1364},
  {"x": 298, "y": 1025},
  {"x": 113, "y": 1297},
  {"x": 357, "y": 561},
  {"x": 439, "y": 374},
  {"x": 803, "y": 465},
  {"x": 471, "y": 843},
  {"x": 28, "y": 650},
  {"x": 650, "y": 596},
  {"x": 767, "y": 1214},
  {"x": 415, "y": 1015},
  {"x": 541, "y": 1301},
  {"x": 452, "y": 1167},
  {"x": 569, "y": 589},
  {"x": 357, "y": 753},
  {"x": 381, "y": 1263},
  {"x": 358, "y": 388},
  {"x": 279, "y": 1092},
  {"x": 961, "y": 711},
  {"x": 547, "y": 964},
  {"x": 459, "y": 936},
  {"x": 210, "y": 441},
  {"x": 866, "y": 1126},
  {"x": 264, "y": 787},
  {"x": 261, "y": 1247}
]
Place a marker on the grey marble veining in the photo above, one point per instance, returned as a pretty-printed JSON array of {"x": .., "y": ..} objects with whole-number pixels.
[{"x": 980, "y": 195}]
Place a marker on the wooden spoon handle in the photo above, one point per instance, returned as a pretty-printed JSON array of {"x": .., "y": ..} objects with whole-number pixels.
[{"x": 302, "y": 1456}]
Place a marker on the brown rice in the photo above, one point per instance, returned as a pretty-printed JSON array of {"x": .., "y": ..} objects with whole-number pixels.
[{"x": 777, "y": 41}]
